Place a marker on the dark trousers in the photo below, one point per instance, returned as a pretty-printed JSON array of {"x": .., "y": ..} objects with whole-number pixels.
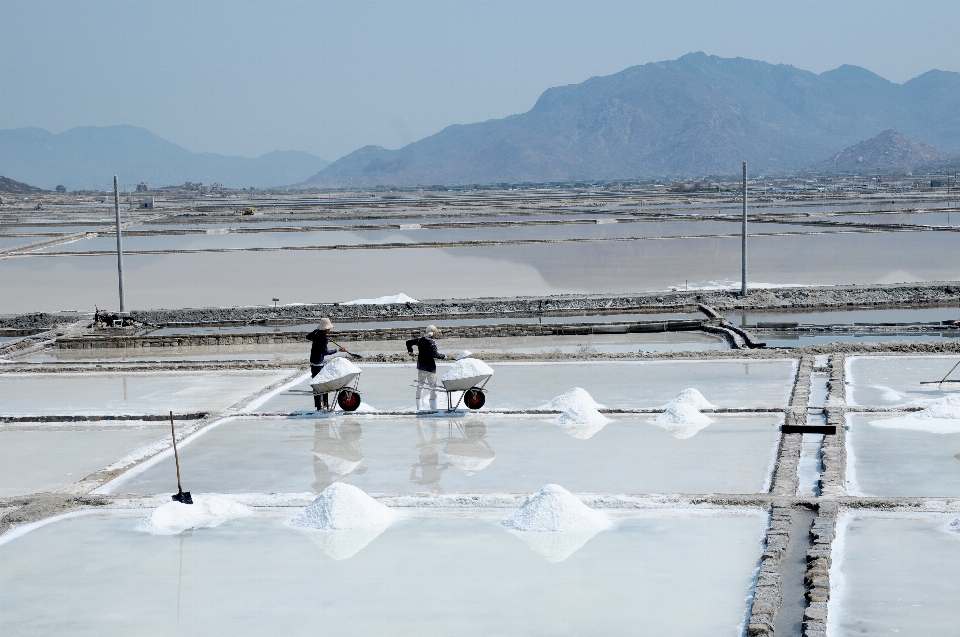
[{"x": 320, "y": 401}]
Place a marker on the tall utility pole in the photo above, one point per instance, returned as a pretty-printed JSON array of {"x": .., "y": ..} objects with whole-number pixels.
[
  {"x": 743, "y": 238},
  {"x": 116, "y": 210}
]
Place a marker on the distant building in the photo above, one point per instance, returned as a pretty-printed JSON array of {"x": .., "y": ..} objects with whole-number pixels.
[
  {"x": 143, "y": 187},
  {"x": 936, "y": 184},
  {"x": 147, "y": 202}
]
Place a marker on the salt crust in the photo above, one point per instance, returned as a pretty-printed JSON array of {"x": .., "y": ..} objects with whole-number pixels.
[
  {"x": 467, "y": 368},
  {"x": 207, "y": 511},
  {"x": 335, "y": 369},
  {"x": 342, "y": 507},
  {"x": 941, "y": 417},
  {"x": 554, "y": 509},
  {"x": 384, "y": 300},
  {"x": 682, "y": 418}
]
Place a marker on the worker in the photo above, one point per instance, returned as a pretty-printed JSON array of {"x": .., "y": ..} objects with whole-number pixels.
[
  {"x": 318, "y": 352},
  {"x": 426, "y": 364}
]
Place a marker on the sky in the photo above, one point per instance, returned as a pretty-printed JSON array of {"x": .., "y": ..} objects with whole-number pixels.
[{"x": 246, "y": 78}]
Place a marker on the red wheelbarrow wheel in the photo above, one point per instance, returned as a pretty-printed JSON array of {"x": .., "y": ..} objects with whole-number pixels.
[
  {"x": 474, "y": 398},
  {"x": 348, "y": 400}
]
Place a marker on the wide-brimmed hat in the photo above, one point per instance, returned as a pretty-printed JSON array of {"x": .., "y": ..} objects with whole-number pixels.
[{"x": 326, "y": 324}]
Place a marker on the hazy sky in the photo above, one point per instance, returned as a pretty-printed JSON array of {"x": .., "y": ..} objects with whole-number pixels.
[{"x": 246, "y": 78}]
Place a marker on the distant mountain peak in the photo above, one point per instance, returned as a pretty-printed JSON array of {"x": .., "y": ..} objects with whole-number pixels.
[{"x": 888, "y": 151}]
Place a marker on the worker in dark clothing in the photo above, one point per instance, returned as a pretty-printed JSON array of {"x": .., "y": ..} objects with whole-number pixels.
[
  {"x": 318, "y": 352},
  {"x": 426, "y": 364}
]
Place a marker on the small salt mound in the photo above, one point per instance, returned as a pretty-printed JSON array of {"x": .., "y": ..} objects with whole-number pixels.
[
  {"x": 467, "y": 368},
  {"x": 334, "y": 369},
  {"x": 554, "y": 509},
  {"x": 384, "y": 300},
  {"x": 343, "y": 506},
  {"x": 682, "y": 417},
  {"x": 581, "y": 421},
  {"x": 941, "y": 417},
  {"x": 691, "y": 396},
  {"x": 573, "y": 398},
  {"x": 365, "y": 407},
  {"x": 953, "y": 528},
  {"x": 207, "y": 511}
]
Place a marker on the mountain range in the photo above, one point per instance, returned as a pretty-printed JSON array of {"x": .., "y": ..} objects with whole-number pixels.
[
  {"x": 697, "y": 115},
  {"x": 88, "y": 157}
]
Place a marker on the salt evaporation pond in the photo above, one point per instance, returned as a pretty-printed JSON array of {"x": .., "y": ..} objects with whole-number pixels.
[
  {"x": 886, "y": 381},
  {"x": 257, "y": 576},
  {"x": 471, "y": 455},
  {"x": 893, "y": 575},
  {"x": 127, "y": 393},
  {"x": 893, "y": 461},
  {"x": 48, "y": 457},
  {"x": 154, "y": 281},
  {"x": 617, "y": 384}
]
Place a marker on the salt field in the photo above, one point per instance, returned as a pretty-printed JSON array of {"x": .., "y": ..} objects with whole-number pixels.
[
  {"x": 655, "y": 453},
  {"x": 638, "y": 575},
  {"x": 896, "y": 576},
  {"x": 469, "y": 455}
]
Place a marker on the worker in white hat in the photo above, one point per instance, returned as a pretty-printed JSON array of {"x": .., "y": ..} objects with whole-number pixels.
[
  {"x": 318, "y": 352},
  {"x": 427, "y": 356}
]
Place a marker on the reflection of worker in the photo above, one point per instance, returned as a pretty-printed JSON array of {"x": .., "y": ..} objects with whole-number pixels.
[
  {"x": 336, "y": 452},
  {"x": 318, "y": 351},
  {"x": 430, "y": 468},
  {"x": 426, "y": 364}
]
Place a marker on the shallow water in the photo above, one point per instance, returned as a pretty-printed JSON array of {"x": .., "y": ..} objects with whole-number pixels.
[
  {"x": 635, "y": 384},
  {"x": 846, "y": 317},
  {"x": 425, "y": 576},
  {"x": 896, "y": 579},
  {"x": 127, "y": 393},
  {"x": 884, "y": 381},
  {"x": 469, "y": 455},
  {"x": 899, "y": 462}
]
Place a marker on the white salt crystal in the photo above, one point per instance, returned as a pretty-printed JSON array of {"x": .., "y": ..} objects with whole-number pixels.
[
  {"x": 207, "y": 511},
  {"x": 344, "y": 506},
  {"x": 572, "y": 398},
  {"x": 334, "y": 369},
  {"x": 467, "y": 368},
  {"x": 384, "y": 300},
  {"x": 941, "y": 417},
  {"x": 554, "y": 509},
  {"x": 682, "y": 417}
]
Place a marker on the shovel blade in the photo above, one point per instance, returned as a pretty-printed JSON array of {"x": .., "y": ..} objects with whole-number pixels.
[{"x": 182, "y": 497}]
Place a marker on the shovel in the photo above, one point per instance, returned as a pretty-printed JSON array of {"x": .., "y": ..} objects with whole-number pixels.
[
  {"x": 356, "y": 356},
  {"x": 181, "y": 495},
  {"x": 942, "y": 380}
]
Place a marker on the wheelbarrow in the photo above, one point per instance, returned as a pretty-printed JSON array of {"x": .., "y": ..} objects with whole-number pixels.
[
  {"x": 473, "y": 396},
  {"x": 346, "y": 389}
]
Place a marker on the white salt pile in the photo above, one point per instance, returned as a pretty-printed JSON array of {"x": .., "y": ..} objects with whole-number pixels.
[
  {"x": 342, "y": 520},
  {"x": 554, "y": 509},
  {"x": 467, "y": 368},
  {"x": 207, "y": 511},
  {"x": 940, "y": 417},
  {"x": 953, "y": 528},
  {"x": 554, "y": 523},
  {"x": 464, "y": 354},
  {"x": 344, "y": 506},
  {"x": 335, "y": 368},
  {"x": 580, "y": 417},
  {"x": 682, "y": 418},
  {"x": 384, "y": 300}
]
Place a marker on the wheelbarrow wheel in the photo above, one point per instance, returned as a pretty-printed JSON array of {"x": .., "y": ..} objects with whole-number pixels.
[
  {"x": 348, "y": 400},
  {"x": 474, "y": 398}
]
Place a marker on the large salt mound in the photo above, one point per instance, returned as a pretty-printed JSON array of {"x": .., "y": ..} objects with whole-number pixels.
[
  {"x": 941, "y": 417},
  {"x": 580, "y": 417},
  {"x": 384, "y": 300},
  {"x": 467, "y": 368},
  {"x": 344, "y": 506},
  {"x": 554, "y": 509},
  {"x": 334, "y": 369},
  {"x": 572, "y": 398},
  {"x": 682, "y": 417},
  {"x": 207, "y": 511}
]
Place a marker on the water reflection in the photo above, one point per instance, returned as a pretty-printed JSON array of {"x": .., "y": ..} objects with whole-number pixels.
[
  {"x": 336, "y": 451},
  {"x": 465, "y": 446}
]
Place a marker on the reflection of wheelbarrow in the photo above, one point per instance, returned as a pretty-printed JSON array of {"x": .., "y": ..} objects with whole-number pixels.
[
  {"x": 348, "y": 396},
  {"x": 473, "y": 396}
]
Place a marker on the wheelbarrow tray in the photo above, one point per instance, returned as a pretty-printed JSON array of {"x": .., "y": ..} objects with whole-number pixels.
[
  {"x": 335, "y": 384},
  {"x": 463, "y": 384}
]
